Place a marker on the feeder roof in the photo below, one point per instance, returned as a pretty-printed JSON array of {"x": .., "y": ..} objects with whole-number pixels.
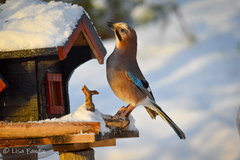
[
  {"x": 36, "y": 28},
  {"x": 30, "y": 24}
]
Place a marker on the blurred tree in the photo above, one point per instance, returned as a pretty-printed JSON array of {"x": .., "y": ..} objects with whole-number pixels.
[
  {"x": 134, "y": 12},
  {"x": 2, "y": 1},
  {"x": 101, "y": 11}
]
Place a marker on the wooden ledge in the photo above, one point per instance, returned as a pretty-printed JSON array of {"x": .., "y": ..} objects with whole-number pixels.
[
  {"x": 86, "y": 139},
  {"x": 59, "y": 133},
  {"x": 46, "y": 129}
]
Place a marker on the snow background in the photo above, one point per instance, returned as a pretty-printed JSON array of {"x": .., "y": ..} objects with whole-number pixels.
[{"x": 197, "y": 85}]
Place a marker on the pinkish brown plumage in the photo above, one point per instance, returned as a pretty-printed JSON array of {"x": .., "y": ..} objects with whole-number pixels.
[{"x": 126, "y": 79}]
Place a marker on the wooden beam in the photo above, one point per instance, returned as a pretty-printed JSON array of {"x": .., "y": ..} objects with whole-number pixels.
[
  {"x": 38, "y": 52},
  {"x": 70, "y": 139},
  {"x": 66, "y": 139},
  {"x": 81, "y": 146},
  {"x": 46, "y": 129}
]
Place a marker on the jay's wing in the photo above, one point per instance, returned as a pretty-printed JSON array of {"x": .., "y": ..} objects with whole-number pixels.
[
  {"x": 145, "y": 88},
  {"x": 141, "y": 84}
]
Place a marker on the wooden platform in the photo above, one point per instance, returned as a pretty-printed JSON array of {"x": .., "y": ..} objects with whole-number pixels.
[{"x": 67, "y": 136}]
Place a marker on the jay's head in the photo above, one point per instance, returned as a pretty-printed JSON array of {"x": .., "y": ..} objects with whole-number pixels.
[{"x": 125, "y": 35}]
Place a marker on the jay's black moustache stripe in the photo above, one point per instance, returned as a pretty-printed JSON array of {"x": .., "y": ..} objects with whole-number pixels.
[{"x": 119, "y": 36}]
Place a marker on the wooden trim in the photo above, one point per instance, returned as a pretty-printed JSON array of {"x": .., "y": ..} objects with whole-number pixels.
[
  {"x": 92, "y": 43},
  {"x": 82, "y": 26},
  {"x": 56, "y": 77},
  {"x": 66, "y": 49},
  {"x": 54, "y": 108},
  {"x": 60, "y": 52},
  {"x": 3, "y": 84},
  {"x": 95, "y": 35}
]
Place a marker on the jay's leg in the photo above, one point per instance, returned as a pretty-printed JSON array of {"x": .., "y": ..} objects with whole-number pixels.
[
  {"x": 121, "y": 111},
  {"x": 128, "y": 111}
]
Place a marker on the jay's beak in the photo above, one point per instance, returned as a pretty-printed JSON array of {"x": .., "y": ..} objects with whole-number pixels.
[{"x": 110, "y": 24}]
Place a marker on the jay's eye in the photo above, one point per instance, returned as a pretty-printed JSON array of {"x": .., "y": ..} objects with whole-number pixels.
[{"x": 123, "y": 30}]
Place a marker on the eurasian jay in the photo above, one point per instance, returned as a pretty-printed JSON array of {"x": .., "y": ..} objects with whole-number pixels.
[{"x": 126, "y": 79}]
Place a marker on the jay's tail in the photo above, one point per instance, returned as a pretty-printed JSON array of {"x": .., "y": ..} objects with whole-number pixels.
[{"x": 167, "y": 119}]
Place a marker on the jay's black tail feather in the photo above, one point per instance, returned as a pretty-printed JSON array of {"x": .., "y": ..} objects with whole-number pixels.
[{"x": 167, "y": 119}]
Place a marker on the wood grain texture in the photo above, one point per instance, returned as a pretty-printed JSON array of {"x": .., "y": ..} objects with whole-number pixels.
[
  {"x": 80, "y": 141},
  {"x": 46, "y": 129}
]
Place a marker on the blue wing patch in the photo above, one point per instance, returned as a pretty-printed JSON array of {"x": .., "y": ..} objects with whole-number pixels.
[
  {"x": 136, "y": 81},
  {"x": 141, "y": 84}
]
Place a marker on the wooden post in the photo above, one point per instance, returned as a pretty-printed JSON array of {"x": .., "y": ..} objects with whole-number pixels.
[{"x": 87, "y": 154}]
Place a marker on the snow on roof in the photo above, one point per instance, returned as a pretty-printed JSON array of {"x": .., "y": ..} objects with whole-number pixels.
[{"x": 29, "y": 24}]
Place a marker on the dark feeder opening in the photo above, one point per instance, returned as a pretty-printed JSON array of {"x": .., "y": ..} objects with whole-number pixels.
[{"x": 66, "y": 68}]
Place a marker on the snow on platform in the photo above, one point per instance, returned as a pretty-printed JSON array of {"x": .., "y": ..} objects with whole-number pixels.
[
  {"x": 80, "y": 127},
  {"x": 83, "y": 115}
]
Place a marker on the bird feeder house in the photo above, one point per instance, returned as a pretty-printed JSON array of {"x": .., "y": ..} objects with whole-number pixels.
[
  {"x": 34, "y": 82},
  {"x": 34, "y": 87}
]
